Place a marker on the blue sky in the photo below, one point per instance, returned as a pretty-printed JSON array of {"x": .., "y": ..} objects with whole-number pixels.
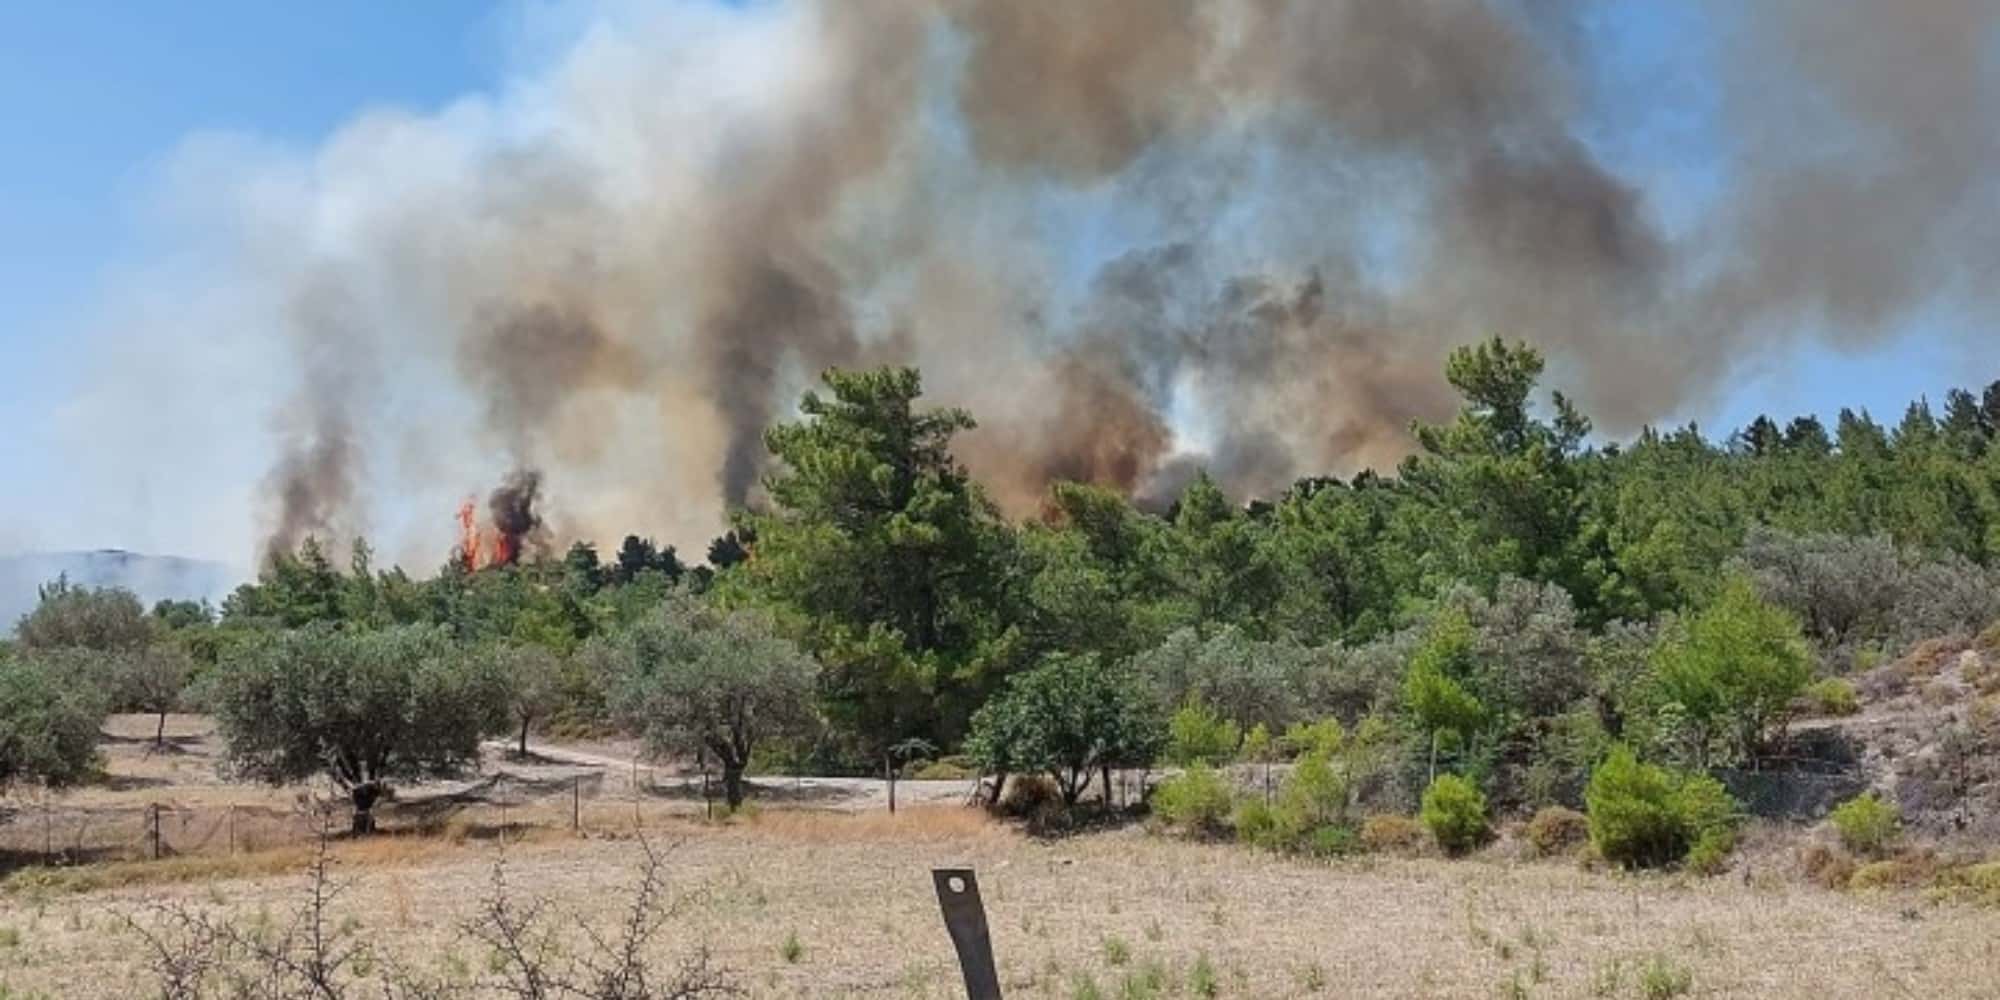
[{"x": 96, "y": 97}]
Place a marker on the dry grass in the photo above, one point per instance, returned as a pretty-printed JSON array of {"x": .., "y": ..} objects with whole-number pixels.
[
  {"x": 855, "y": 895},
  {"x": 828, "y": 904}
]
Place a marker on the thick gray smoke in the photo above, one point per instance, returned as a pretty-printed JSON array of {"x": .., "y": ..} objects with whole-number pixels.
[{"x": 1130, "y": 235}]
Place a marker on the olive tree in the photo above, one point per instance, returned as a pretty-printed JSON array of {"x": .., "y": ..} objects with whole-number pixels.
[
  {"x": 1071, "y": 717},
  {"x": 532, "y": 676},
  {"x": 363, "y": 708},
  {"x": 67, "y": 616},
  {"x": 153, "y": 680},
  {"x": 694, "y": 677},
  {"x": 48, "y": 724}
]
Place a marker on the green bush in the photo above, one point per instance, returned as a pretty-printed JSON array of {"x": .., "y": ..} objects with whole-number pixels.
[
  {"x": 1197, "y": 734},
  {"x": 1866, "y": 823},
  {"x": 946, "y": 769},
  {"x": 1198, "y": 800},
  {"x": 1454, "y": 811},
  {"x": 1314, "y": 795},
  {"x": 1644, "y": 816},
  {"x": 1325, "y": 737},
  {"x": 1257, "y": 824},
  {"x": 1332, "y": 842},
  {"x": 1833, "y": 696},
  {"x": 1555, "y": 830}
]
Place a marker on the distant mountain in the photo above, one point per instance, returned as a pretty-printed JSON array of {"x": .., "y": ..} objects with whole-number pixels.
[{"x": 153, "y": 578}]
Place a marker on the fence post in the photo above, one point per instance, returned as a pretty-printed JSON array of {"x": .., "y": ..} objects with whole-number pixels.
[
  {"x": 575, "y": 802},
  {"x": 153, "y": 813},
  {"x": 889, "y": 774}
]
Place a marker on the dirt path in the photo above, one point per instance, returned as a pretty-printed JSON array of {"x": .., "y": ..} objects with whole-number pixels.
[{"x": 845, "y": 794}]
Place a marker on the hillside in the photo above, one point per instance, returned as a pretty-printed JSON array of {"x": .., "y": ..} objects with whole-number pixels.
[{"x": 153, "y": 578}]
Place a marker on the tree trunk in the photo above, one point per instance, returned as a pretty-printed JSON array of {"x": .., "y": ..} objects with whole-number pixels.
[
  {"x": 732, "y": 783},
  {"x": 160, "y": 734},
  {"x": 1108, "y": 803},
  {"x": 524, "y": 735},
  {"x": 364, "y": 796},
  {"x": 999, "y": 786}
]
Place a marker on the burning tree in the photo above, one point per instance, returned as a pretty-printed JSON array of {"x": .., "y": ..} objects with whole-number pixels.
[{"x": 363, "y": 708}]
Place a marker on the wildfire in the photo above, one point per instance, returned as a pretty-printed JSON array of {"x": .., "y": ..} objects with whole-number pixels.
[
  {"x": 504, "y": 551},
  {"x": 468, "y": 533}
]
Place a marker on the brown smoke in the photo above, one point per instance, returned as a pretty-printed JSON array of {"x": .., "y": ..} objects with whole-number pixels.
[{"x": 1133, "y": 236}]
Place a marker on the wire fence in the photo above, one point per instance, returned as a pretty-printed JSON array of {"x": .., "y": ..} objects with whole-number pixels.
[{"x": 46, "y": 830}]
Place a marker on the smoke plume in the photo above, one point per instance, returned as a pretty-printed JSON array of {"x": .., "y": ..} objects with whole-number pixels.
[
  {"x": 1132, "y": 236},
  {"x": 517, "y": 525}
]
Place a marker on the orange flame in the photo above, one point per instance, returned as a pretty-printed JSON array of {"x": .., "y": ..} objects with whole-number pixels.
[
  {"x": 468, "y": 534},
  {"x": 503, "y": 551}
]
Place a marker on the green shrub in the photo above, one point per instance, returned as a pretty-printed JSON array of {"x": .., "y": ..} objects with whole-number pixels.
[
  {"x": 1644, "y": 816},
  {"x": 1833, "y": 696},
  {"x": 1314, "y": 795},
  {"x": 1663, "y": 979},
  {"x": 1710, "y": 853},
  {"x": 1325, "y": 737},
  {"x": 1555, "y": 830},
  {"x": 1197, "y": 734},
  {"x": 946, "y": 769},
  {"x": 1332, "y": 842},
  {"x": 1258, "y": 746},
  {"x": 1388, "y": 832},
  {"x": 1454, "y": 811},
  {"x": 1257, "y": 824},
  {"x": 1198, "y": 800},
  {"x": 1866, "y": 823}
]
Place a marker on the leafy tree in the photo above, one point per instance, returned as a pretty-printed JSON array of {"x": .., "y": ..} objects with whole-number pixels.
[
  {"x": 1070, "y": 717},
  {"x": 894, "y": 560},
  {"x": 48, "y": 723},
  {"x": 1197, "y": 735},
  {"x": 728, "y": 549},
  {"x": 533, "y": 678},
  {"x": 1434, "y": 689},
  {"x": 106, "y": 620},
  {"x": 153, "y": 680},
  {"x": 1734, "y": 669},
  {"x": 1246, "y": 681},
  {"x": 700, "y": 678},
  {"x": 363, "y": 708},
  {"x": 179, "y": 615}
]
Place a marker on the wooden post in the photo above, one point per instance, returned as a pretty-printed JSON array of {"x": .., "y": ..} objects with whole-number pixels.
[
  {"x": 575, "y": 803},
  {"x": 48, "y": 832},
  {"x": 154, "y": 813},
  {"x": 889, "y": 772},
  {"x": 707, "y": 801}
]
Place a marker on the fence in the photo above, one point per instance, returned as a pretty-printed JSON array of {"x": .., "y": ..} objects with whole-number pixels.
[{"x": 47, "y": 830}]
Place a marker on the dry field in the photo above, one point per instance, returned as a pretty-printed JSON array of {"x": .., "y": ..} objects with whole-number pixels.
[{"x": 1113, "y": 914}]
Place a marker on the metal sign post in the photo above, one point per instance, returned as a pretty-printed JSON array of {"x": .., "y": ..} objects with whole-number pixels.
[{"x": 965, "y": 920}]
